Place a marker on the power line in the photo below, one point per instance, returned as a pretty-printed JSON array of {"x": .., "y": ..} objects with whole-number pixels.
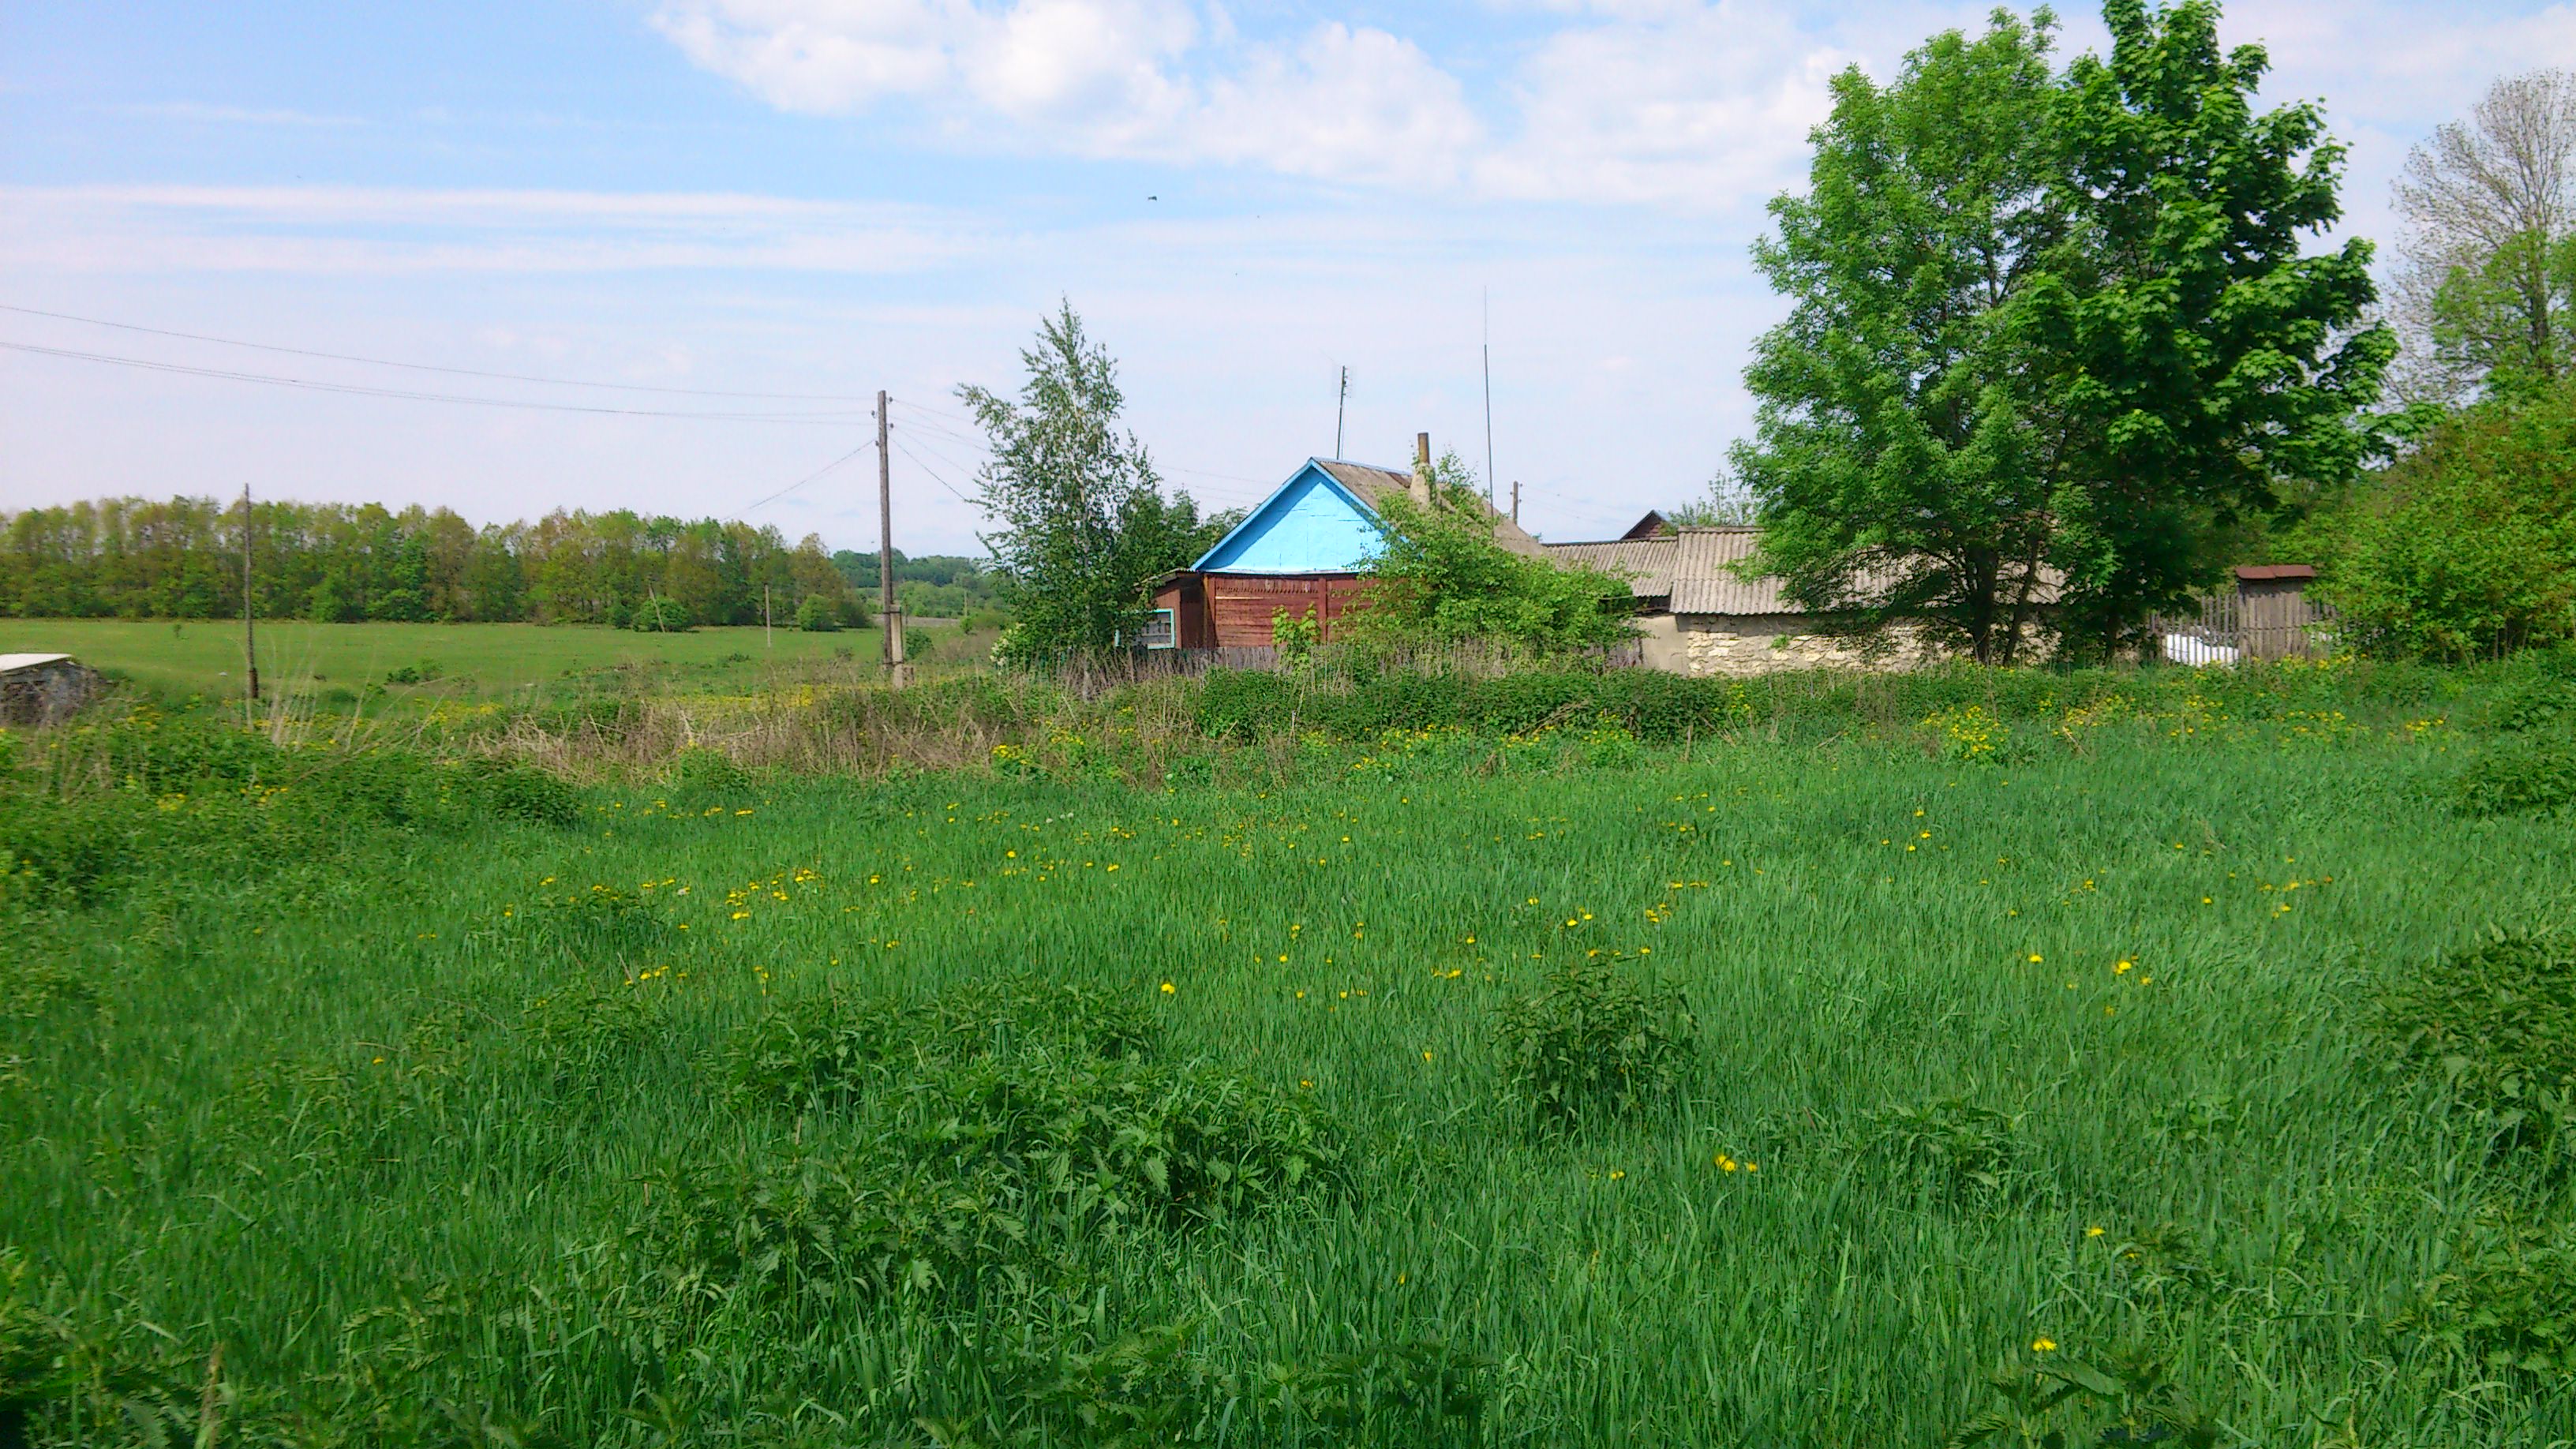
[
  {"x": 425, "y": 366},
  {"x": 934, "y": 412},
  {"x": 360, "y": 390},
  {"x": 933, "y": 472},
  {"x": 810, "y": 477}
]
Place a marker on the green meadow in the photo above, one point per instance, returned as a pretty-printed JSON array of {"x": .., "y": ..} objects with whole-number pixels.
[
  {"x": 2050, "y": 1071},
  {"x": 340, "y": 663}
]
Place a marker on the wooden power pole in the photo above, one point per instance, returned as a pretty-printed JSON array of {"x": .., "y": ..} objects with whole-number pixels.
[
  {"x": 1516, "y": 502},
  {"x": 885, "y": 553},
  {"x": 250, "y": 647}
]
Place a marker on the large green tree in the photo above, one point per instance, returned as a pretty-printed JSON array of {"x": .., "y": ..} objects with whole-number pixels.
[
  {"x": 1080, "y": 525},
  {"x": 2200, "y": 360},
  {"x": 1903, "y": 466}
]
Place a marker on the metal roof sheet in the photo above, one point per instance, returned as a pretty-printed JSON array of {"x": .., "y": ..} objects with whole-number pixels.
[
  {"x": 1647, "y": 563},
  {"x": 1695, "y": 570},
  {"x": 13, "y": 662}
]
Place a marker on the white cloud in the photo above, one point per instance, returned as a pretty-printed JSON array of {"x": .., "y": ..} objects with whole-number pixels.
[{"x": 1700, "y": 106}]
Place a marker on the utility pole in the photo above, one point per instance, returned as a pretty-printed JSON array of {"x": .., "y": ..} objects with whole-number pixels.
[
  {"x": 250, "y": 646},
  {"x": 1489, "y": 398},
  {"x": 1341, "y": 405},
  {"x": 885, "y": 553},
  {"x": 1516, "y": 503},
  {"x": 766, "y": 640}
]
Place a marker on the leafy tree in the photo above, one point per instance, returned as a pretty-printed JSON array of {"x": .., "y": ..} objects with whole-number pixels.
[
  {"x": 1081, "y": 526},
  {"x": 2197, "y": 361},
  {"x": 1441, "y": 579},
  {"x": 1903, "y": 465},
  {"x": 2467, "y": 547}
]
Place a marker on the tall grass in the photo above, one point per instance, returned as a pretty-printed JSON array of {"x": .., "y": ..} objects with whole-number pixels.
[{"x": 2073, "y": 1042}]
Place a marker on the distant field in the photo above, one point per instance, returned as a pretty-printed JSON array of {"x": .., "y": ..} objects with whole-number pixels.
[{"x": 205, "y": 657}]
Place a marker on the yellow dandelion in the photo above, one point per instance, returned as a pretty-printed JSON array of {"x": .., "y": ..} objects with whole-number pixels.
[
  {"x": 2043, "y": 1345},
  {"x": 1167, "y": 988}
]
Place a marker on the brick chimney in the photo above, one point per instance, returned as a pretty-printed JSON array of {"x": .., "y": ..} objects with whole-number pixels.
[{"x": 1422, "y": 469}]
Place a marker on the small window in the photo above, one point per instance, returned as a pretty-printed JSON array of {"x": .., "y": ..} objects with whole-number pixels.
[{"x": 1158, "y": 629}]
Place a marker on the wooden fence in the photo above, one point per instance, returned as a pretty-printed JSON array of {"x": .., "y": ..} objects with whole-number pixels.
[
  {"x": 1092, "y": 675},
  {"x": 2250, "y": 624}
]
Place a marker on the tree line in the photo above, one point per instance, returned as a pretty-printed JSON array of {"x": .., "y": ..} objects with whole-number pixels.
[{"x": 140, "y": 558}]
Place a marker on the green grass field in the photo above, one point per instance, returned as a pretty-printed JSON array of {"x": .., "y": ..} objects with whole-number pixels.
[
  {"x": 1997, "y": 1067},
  {"x": 204, "y": 657}
]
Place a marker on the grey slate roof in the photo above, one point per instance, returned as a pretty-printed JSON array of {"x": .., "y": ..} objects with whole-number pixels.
[
  {"x": 1374, "y": 484},
  {"x": 1693, "y": 570}
]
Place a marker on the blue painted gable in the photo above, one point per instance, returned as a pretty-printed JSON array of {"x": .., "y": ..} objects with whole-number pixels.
[{"x": 1311, "y": 525}]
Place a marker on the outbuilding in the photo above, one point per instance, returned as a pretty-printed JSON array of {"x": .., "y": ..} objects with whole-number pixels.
[{"x": 44, "y": 689}]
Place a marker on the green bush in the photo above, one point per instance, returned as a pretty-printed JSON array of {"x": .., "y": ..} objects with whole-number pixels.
[
  {"x": 2467, "y": 548},
  {"x": 2541, "y": 705},
  {"x": 2496, "y": 1023},
  {"x": 524, "y": 793},
  {"x": 993, "y": 1171},
  {"x": 825, "y": 1052},
  {"x": 2507, "y": 1303},
  {"x": 1954, "y": 1151},
  {"x": 661, "y": 616},
  {"x": 2519, "y": 775},
  {"x": 705, "y": 770},
  {"x": 818, "y": 615},
  {"x": 1590, "y": 1044}
]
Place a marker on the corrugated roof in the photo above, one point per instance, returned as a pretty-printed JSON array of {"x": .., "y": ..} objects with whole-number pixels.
[
  {"x": 1647, "y": 563},
  {"x": 2258, "y": 573},
  {"x": 12, "y": 662},
  {"x": 1695, "y": 570},
  {"x": 1372, "y": 485}
]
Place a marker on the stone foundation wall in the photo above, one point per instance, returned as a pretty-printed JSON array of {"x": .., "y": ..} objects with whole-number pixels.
[
  {"x": 1727, "y": 644},
  {"x": 46, "y": 694}
]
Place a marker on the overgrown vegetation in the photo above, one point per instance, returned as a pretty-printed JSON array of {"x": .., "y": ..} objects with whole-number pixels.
[{"x": 1053, "y": 1099}]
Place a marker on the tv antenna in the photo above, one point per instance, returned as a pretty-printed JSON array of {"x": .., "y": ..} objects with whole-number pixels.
[{"x": 1341, "y": 404}]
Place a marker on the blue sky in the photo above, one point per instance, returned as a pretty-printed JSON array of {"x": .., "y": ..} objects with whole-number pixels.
[{"x": 826, "y": 197}]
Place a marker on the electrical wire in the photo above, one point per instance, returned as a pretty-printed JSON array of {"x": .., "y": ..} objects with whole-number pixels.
[
  {"x": 425, "y": 366},
  {"x": 360, "y": 390},
  {"x": 810, "y": 477},
  {"x": 933, "y": 472}
]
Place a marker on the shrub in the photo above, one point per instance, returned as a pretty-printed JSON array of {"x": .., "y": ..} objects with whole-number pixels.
[
  {"x": 2540, "y": 705},
  {"x": 661, "y": 616},
  {"x": 2124, "y": 1400},
  {"x": 1956, "y": 1152},
  {"x": 1590, "y": 1044},
  {"x": 824, "y": 1052},
  {"x": 818, "y": 615},
  {"x": 994, "y": 1170},
  {"x": 2468, "y": 546},
  {"x": 2507, "y": 1304},
  {"x": 2497, "y": 1024},
  {"x": 703, "y": 769},
  {"x": 2519, "y": 775},
  {"x": 523, "y": 793},
  {"x": 604, "y": 923}
]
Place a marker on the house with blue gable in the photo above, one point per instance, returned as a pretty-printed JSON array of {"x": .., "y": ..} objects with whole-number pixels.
[{"x": 1300, "y": 549}]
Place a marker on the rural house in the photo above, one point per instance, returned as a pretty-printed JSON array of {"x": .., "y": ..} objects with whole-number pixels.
[
  {"x": 1302, "y": 548},
  {"x": 1695, "y": 616}
]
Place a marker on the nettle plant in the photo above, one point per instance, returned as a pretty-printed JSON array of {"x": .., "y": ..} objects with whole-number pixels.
[
  {"x": 1592, "y": 1044},
  {"x": 2497, "y": 1024}
]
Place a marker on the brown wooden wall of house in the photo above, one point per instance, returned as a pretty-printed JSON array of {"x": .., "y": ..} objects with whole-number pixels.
[
  {"x": 1186, "y": 596},
  {"x": 1241, "y": 606}
]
